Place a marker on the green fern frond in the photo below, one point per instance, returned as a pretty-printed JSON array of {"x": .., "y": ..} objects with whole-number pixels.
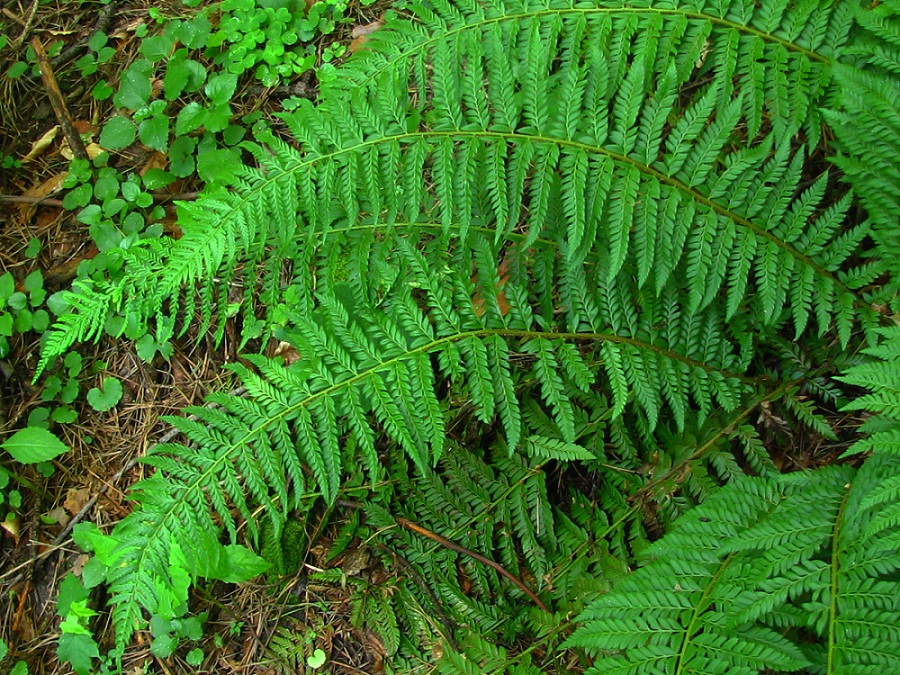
[
  {"x": 713, "y": 590},
  {"x": 728, "y": 206},
  {"x": 570, "y": 222},
  {"x": 287, "y": 647}
]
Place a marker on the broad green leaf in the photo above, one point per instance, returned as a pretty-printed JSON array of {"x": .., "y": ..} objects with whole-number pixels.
[
  {"x": 194, "y": 33},
  {"x": 157, "y": 47},
  {"x": 190, "y": 118},
  {"x": 17, "y": 70},
  {"x": 218, "y": 117},
  {"x": 101, "y": 91},
  {"x": 106, "y": 236},
  {"x": 135, "y": 86},
  {"x": 7, "y": 287},
  {"x": 154, "y": 132},
  {"x": 32, "y": 445},
  {"x": 317, "y": 659},
  {"x": 77, "y": 648},
  {"x": 181, "y": 156},
  {"x": 155, "y": 179},
  {"x": 241, "y": 564},
  {"x": 220, "y": 88},
  {"x": 218, "y": 166},
  {"x": 182, "y": 75},
  {"x": 18, "y": 301},
  {"x": 33, "y": 281},
  {"x": 98, "y": 41},
  {"x": 118, "y": 133},
  {"x": 70, "y": 591},
  {"x": 78, "y": 197}
]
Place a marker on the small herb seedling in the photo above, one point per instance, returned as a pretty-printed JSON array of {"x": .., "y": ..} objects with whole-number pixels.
[{"x": 107, "y": 396}]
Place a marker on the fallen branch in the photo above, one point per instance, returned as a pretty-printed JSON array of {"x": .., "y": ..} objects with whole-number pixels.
[
  {"x": 453, "y": 546},
  {"x": 58, "y": 102}
]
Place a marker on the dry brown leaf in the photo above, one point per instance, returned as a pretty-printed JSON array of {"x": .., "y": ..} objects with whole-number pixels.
[
  {"x": 13, "y": 526},
  {"x": 360, "y": 34},
  {"x": 157, "y": 160},
  {"x": 59, "y": 516},
  {"x": 367, "y": 29},
  {"x": 76, "y": 498},
  {"x": 48, "y": 187},
  {"x": 287, "y": 352},
  {"x": 40, "y": 145},
  {"x": 355, "y": 561},
  {"x": 45, "y": 189},
  {"x": 502, "y": 303},
  {"x": 79, "y": 563},
  {"x": 123, "y": 32},
  {"x": 92, "y": 150},
  {"x": 85, "y": 130}
]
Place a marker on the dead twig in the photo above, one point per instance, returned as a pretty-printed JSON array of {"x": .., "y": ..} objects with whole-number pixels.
[
  {"x": 17, "y": 199},
  {"x": 453, "y": 546},
  {"x": 28, "y": 24},
  {"x": 58, "y": 102},
  {"x": 104, "y": 19},
  {"x": 9, "y": 14}
]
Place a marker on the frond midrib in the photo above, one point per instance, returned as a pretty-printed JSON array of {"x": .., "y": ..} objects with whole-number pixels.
[
  {"x": 834, "y": 583},
  {"x": 787, "y": 44},
  {"x": 227, "y": 455},
  {"x": 514, "y": 136},
  {"x": 702, "y": 604}
]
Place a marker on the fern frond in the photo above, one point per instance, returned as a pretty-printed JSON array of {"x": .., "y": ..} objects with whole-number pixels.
[
  {"x": 568, "y": 221},
  {"x": 588, "y": 162},
  {"x": 711, "y": 589}
]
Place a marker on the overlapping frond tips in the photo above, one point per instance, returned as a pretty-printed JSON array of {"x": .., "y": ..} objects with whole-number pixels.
[
  {"x": 867, "y": 126},
  {"x": 581, "y": 125},
  {"x": 595, "y": 205},
  {"x": 719, "y": 590}
]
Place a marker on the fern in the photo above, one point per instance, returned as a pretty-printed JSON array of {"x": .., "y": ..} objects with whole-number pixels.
[
  {"x": 867, "y": 125},
  {"x": 287, "y": 646},
  {"x": 573, "y": 224},
  {"x": 490, "y": 139},
  {"x": 759, "y": 557},
  {"x": 764, "y": 557}
]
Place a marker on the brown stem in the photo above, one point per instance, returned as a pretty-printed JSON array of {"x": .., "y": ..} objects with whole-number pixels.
[
  {"x": 28, "y": 24},
  {"x": 46, "y": 201},
  {"x": 446, "y": 543},
  {"x": 104, "y": 19},
  {"x": 58, "y": 102}
]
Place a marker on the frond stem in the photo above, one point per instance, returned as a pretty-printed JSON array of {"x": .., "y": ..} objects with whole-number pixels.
[
  {"x": 453, "y": 546},
  {"x": 787, "y": 44},
  {"x": 834, "y": 582}
]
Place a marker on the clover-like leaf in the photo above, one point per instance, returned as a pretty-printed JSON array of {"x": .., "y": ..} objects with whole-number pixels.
[
  {"x": 107, "y": 396},
  {"x": 317, "y": 659}
]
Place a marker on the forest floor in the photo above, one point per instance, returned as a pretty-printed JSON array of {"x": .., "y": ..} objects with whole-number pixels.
[{"x": 90, "y": 483}]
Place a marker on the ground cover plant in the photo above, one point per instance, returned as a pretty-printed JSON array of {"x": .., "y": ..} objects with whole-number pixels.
[{"x": 538, "y": 305}]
